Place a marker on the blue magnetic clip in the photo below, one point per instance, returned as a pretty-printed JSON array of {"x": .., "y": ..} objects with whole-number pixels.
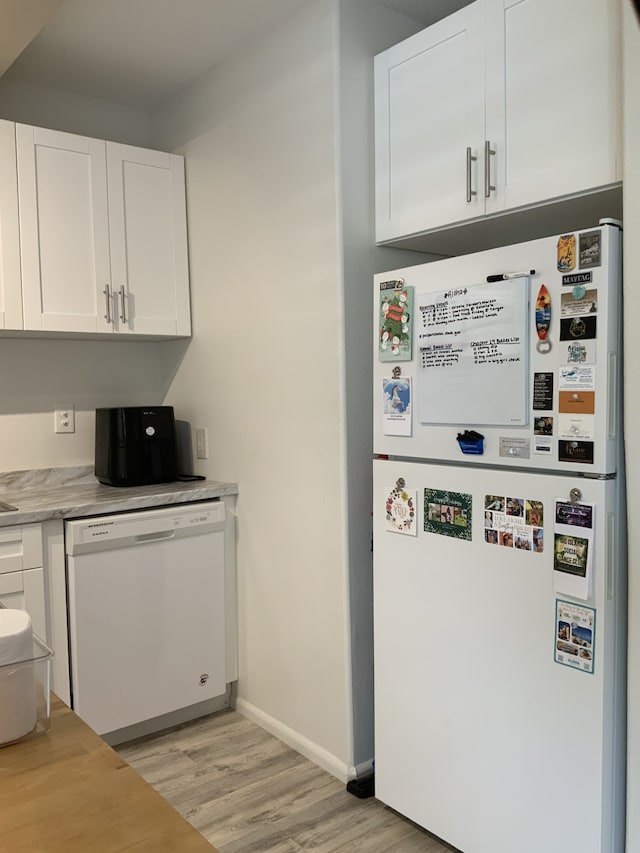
[{"x": 471, "y": 442}]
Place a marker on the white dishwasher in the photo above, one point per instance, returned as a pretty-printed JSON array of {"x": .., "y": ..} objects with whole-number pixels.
[{"x": 146, "y": 612}]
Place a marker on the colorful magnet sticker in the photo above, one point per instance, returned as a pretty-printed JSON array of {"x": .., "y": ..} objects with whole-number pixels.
[
  {"x": 570, "y": 554},
  {"x": 578, "y": 328},
  {"x": 576, "y": 279},
  {"x": 396, "y": 411},
  {"x": 543, "y": 425},
  {"x": 590, "y": 249},
  {"x": 573, "y": 551},
  {"x": 543, "y": 319},
  {"x": 577, "y": 402},
  {"x": 575, "y": 636},
  {"x": 577, "y": 376},
  {"x": 574, "y": 514},
  {"x": 580, "y": 352},
  {"x": 566, "y": 252},
  {"x": 575, "y": 451},
  {"x": 575, "y": 304},
  {"x": 396, "y": 323},
  {"x": 543, "y": 392},
  {"x": 400, "y": 510},
  {"x": 447, "y": 513},
  {"x": 514, "y": 522}
]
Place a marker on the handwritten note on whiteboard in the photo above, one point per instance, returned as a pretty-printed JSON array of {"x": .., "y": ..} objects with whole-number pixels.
[{"x": 472, "y": 354}]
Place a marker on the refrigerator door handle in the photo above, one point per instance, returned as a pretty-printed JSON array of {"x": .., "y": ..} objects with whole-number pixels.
[
  {"x": 611, "y": 555},
  {"x": 612, "y": 394}
]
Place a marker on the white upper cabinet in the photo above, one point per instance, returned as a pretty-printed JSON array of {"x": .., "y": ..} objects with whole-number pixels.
[
  {"x": 103, "y": 236},
  {"x": 147, "y": 225},
  {"x": 10, "y": 279},
  {"x": 552, "y": 102},
  {"x": 503, "y": 105},
  {"x": 429, "y": 120},
  {"x": 64, "y": 231}
]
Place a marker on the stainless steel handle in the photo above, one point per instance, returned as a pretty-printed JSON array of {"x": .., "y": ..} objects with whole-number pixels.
[
  {"x": 123, "y": 310},
  {"x": 107, "y": 294},
  {"x": 488, "y": 151},
  {"x": 470, "y": 159}
]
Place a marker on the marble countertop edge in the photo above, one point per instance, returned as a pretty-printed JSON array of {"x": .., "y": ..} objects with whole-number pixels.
[{"x": 75, "y": 493}]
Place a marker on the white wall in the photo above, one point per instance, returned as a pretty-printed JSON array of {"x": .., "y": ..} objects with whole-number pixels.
[
  {"x": 39, "y": 375},
  {"x": 364, "y": 31},
  {"x": 263, "y": 372},
  {"x": 278, "y": 149},
  {"x": 631, "y": 59},
  {"x": 43, "y": 107}
]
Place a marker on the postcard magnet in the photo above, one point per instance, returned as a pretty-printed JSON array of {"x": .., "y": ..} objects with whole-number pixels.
[
  {"x": 575, "y": 635},
  {"x": 575, "y": 451},
  {"x": 448, "y": 513},
  {"x": 395, "y": 321},
  {"x": 577, "y": 401},
  {"x": 400, "y": 509},
  {"x": 578, "y": 328},
  {"x": 566, "y": 252},
  {"x": 590, "y": 249}
]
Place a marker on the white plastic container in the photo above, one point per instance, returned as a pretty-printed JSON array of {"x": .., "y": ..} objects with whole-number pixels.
[{"x": 25, "y": 685}]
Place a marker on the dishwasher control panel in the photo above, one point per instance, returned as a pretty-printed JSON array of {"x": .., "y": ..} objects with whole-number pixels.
[{"x": 144, "y": 525}]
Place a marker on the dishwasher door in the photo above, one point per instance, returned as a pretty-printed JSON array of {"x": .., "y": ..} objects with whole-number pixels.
[{"x": 146, "y": 612}]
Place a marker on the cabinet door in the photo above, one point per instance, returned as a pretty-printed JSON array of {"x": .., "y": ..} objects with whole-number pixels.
[
  {"x": 64, "y": 231},
  {"x": 429, "y": 93},
  {"x": 10, "y": 277},
  {"x": 552, "y": 98},
  {"x": 147, "y": 220}
]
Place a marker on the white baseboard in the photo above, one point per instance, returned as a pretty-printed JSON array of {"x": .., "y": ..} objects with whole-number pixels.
[{"x": 322, "y": 757}]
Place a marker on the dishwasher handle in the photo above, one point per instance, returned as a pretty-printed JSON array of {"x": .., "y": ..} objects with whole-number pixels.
[{"x": 154, "y": 537}]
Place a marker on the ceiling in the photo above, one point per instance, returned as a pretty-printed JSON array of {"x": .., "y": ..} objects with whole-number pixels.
[{"x": 139, "y": 52}]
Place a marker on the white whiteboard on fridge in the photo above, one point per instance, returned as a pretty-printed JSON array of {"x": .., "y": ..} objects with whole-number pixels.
[{"x": 472, "y": 347}]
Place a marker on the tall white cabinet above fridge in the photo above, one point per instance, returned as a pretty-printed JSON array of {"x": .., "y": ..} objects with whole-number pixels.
[{"x": 499, "y": 546}]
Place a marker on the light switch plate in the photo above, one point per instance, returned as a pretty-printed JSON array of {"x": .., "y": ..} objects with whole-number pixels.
[{"x": 202, "y": 443}]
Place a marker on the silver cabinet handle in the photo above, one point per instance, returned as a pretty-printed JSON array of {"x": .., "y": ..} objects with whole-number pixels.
[
  {"x": 123, "y": 310},
  {"x": 470, "y": 159},
  {"x": 107, "y": 295},
  {"x": 488, "y": 151}
]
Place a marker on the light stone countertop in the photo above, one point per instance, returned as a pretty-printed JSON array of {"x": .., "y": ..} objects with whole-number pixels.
[{"x": 46, "y": 493}]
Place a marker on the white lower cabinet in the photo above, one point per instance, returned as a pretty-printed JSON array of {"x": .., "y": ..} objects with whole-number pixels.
[
  {"x": 22, "y": 584},
  {"x": 103, "y": 236}
]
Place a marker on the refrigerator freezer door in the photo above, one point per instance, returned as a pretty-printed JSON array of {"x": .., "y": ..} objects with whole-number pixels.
[
  {"x": 488, "y": 733},
  {"x": 529, "y": 363}
]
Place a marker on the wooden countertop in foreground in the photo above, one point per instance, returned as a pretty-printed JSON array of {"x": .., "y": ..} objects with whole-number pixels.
[{"x": 67, "y": 791}]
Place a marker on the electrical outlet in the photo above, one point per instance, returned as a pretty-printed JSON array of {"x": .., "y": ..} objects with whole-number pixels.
[
  {"x": 65, "y": 419},
  {"x": 202, "y": 443}
]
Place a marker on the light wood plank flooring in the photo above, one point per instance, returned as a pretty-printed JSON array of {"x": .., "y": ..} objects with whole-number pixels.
[{"x": 247, "y": 792}]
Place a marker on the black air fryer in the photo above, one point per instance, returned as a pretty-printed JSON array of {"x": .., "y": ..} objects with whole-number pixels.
[{"x": 136, "y": 446}]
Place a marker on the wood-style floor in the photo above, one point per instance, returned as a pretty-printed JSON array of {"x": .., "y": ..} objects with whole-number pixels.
[{"x": 247, "y": 792}]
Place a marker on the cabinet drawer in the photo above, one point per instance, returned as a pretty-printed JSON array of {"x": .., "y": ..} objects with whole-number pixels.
[{"x": 20, "y": 547}]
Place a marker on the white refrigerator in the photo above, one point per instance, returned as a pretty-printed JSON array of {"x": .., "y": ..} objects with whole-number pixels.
[{"x": 499, "y": 546}]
